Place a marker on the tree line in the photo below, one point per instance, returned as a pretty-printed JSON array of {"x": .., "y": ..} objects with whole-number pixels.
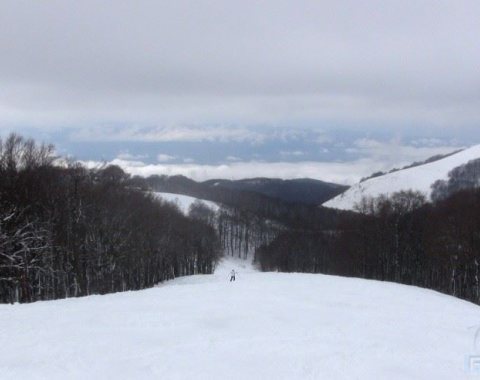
[
  {"x": 68, "y": 231},
  {"x": 240, "y": 232}
]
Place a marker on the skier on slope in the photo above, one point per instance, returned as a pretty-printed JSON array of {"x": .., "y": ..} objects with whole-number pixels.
[{"x": 232, "y": 275}]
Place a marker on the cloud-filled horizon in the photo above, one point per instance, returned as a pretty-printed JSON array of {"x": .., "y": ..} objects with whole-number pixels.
[
  {"x": 196, "y": 86},
  {"x": 366, "y": 157}
]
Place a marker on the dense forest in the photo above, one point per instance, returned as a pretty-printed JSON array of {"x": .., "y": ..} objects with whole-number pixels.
[{"x": 66, "y": 231}]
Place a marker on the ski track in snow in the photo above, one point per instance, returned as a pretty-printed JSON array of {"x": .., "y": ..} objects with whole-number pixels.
[
  {"x": 263, "y": 326},
  {"x": 184, "y": 201}
]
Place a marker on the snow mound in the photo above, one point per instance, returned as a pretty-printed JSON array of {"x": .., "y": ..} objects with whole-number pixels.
[
  {"x": 184, "y": 201},
  {"x": 419, "y": 178},
  {"x": 263, "y": 326}
]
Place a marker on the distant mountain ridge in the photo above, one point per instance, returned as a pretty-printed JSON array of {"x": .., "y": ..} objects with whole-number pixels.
[
  {"x": 302, "y": 190},
  {"x": 292, "y": 213}
]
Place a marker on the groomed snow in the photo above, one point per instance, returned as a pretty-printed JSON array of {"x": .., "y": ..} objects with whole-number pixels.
[
  {"x": 419, "y": 178},
  {"x": 263, "y": 326},
  {"x": 184, "y": 201}
]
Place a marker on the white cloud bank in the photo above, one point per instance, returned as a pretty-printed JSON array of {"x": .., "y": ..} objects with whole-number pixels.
[
  {"x": 345, "y": 173},
  {"x": 376, "y": 156},
  {"x": 162, "y": 157}
]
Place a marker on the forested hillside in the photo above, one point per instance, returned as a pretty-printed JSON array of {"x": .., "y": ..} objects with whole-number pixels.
[
  {"x": 67, "y": 231},
  {"x": 291, "y": 214},
  {"x": 303, "y": 190}
]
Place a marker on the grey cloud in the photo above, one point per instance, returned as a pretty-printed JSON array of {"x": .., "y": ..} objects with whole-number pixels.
[
  {"x": 175, "y": 63},
  {"x": 395, "y": 153},
  {"x": 169, "y": 134}
]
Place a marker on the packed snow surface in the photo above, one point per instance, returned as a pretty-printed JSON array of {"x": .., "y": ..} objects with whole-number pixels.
[
  {"x": 184, "y": 201},
  {"x": 419, "y": 178},
  {"x": 262, "y": 326}
]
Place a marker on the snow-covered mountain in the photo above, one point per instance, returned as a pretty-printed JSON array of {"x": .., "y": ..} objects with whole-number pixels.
[
  {"x": 419, "y": 178},
  {"x": 184, "y": 201}
]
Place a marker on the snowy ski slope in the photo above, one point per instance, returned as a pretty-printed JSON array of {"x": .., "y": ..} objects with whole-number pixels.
[
  {"x": 184, "y": 201},
  {"x": 263, "y": 326},
  {"x": 418, "y": 178}
]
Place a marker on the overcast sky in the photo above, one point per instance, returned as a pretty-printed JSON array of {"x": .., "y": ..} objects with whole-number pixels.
[{"x": 212, "y": 83}]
